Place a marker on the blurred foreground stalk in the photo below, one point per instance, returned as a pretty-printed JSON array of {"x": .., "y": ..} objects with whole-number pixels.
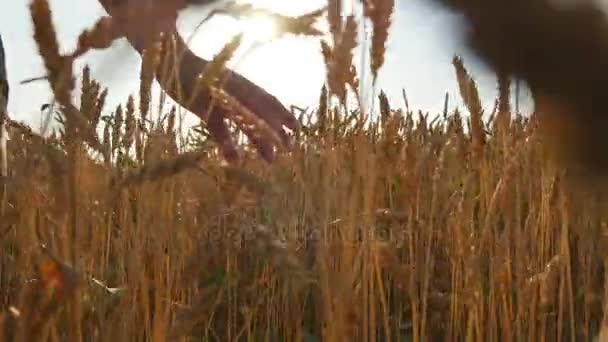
[{"x": 3, "y": 112}]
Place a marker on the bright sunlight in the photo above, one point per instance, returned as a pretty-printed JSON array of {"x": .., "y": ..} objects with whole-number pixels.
[
  {"x": 259, "y": 27},
  {"x": 271, "y": 60}
]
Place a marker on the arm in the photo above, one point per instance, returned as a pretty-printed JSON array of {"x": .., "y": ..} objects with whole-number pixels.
[{"x": 142, "y": 23}]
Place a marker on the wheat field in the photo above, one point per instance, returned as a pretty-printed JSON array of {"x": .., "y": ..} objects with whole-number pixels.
[{"x": 401, "y": 227}]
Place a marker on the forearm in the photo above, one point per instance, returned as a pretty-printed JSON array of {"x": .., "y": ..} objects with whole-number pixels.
[{"x": 142, "y": 23}]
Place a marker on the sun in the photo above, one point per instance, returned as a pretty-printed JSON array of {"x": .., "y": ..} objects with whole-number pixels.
[
  {"x": 259, "y": 27},
  {"x": 268, "y": 57},
  {"x": 262, "y": 27}
]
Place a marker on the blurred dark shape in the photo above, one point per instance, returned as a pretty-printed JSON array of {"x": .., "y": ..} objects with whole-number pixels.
[
  {"x": 561, "y": 52},
  {"x": 4, "y": 89}
]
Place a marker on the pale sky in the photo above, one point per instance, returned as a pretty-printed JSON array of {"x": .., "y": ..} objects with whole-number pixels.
[{"x": 423, "y": 42}]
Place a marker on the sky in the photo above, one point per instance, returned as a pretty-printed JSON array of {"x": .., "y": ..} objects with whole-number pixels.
[{"x": 422, "y": 43}]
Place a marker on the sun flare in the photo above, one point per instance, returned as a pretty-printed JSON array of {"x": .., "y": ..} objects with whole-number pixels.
[
  {"x": 259, "y": 27},
  {"x": 268, "y": 57}
]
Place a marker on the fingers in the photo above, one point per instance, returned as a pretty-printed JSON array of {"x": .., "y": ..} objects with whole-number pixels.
[
  {"x": 264, "y": 146},
  {"x": 264, "y": 105},
  {"x": 220, "y": 133}
]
